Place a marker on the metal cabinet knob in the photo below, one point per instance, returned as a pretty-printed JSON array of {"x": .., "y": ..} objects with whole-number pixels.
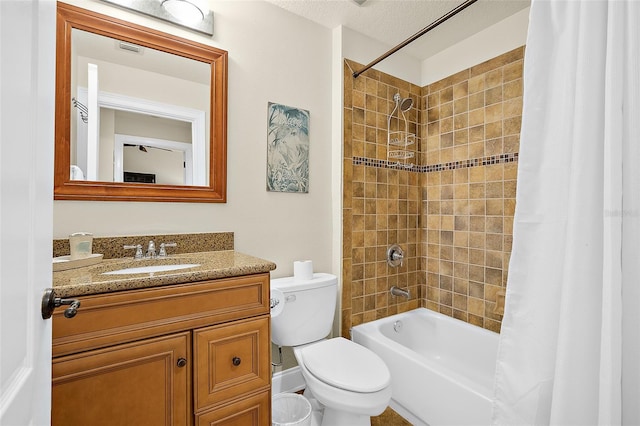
[
  {"x": 181, "y": 362},
  {"x": 236, "y": 361}
]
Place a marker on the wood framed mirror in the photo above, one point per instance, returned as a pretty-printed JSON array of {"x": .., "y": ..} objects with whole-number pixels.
[{"x": 118, "y": 123}]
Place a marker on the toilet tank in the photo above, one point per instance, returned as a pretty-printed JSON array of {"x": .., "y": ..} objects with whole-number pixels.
[{"x": 309, "y": 307}]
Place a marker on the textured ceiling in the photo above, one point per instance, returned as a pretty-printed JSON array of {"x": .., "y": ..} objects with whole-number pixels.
[{"x": 393, "y": 21}]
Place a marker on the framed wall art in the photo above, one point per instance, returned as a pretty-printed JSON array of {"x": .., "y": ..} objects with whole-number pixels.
[{"x": 287, "y": 149}]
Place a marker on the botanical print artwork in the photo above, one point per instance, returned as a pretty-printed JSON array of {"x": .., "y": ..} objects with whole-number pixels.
[{"x": 288, "y": 149}]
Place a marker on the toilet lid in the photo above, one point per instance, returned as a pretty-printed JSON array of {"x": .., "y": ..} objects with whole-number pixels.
[{"x": 346, "y": 365}]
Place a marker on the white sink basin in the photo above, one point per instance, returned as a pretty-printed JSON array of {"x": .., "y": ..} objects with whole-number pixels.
[{"x": 151, "y": 269}]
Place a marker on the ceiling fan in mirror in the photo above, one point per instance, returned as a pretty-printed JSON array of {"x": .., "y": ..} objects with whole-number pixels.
[{"x": 146, "y": 148}]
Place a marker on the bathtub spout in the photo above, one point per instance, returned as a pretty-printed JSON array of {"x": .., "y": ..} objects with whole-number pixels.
[{"x": 397, "y": 291}]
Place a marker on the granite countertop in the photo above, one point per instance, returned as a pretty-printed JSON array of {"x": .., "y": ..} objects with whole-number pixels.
[{"x": 214, "y": 264}]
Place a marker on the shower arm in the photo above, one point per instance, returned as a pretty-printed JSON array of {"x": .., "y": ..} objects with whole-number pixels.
[{"x": 417, "y": 35}]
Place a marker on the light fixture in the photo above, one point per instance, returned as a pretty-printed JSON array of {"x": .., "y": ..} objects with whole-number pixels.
[
  {"x": 197, "y": 16},
  {"x": 184, "y": 10}
]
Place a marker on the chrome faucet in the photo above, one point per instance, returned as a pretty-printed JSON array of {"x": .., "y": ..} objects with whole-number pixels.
[
  {"x": 151, "y": 250},
  {"x": 397, "y": 291}
]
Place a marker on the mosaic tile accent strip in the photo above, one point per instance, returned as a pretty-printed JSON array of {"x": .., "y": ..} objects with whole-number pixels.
[
  {"x": 386, "y": 164},
  {"x": 453, "y": 165}
]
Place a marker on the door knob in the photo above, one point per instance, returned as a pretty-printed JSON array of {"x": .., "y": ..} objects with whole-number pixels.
[{"x": 50, "y": 302}]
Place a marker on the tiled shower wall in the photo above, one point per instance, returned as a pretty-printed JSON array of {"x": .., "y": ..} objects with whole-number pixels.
[
  {"x": 381, "y": 205},
  {"x": 472, "y": 127},
  {"x": 452, "y": 212}
]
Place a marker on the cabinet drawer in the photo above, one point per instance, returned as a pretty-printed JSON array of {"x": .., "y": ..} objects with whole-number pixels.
[
  {"x": 113, "y": 318},
  {"x": 142, "y": 383},
  {"x": 230, "y": 360},
  {"x": 254, "y": 410}
]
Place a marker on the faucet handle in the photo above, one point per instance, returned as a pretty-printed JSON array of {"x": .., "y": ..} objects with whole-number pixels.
[
  {"x": 163, "y": 250},
  {"x": 395, "y": 256},
  {"x": 137, "y": 248}
]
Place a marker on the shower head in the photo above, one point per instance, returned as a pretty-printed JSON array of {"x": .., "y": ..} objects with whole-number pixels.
[{"x": 406, "y": 104}]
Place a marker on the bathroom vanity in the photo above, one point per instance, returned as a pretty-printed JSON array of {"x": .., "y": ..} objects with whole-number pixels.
[{"x": 182, "y": 347}]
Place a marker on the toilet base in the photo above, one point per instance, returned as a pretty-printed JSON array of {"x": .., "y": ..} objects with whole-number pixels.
[{"x": 325, "y": 416}]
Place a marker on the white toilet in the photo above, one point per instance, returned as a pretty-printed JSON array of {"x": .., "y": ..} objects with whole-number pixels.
[{"x": 348, "y": 380}]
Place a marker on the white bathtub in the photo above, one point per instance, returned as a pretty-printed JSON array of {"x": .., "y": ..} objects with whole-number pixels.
[{"x": 441, "y": 368}]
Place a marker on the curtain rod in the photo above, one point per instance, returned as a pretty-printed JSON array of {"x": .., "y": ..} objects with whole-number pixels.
[{"x": 417, "y": 35}]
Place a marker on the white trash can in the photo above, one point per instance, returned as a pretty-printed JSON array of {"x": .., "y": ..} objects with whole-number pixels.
[{"x": 289, "y": 409}]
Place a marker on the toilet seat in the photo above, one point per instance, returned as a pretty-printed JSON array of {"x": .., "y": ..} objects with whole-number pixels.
[{"x": 346, "y": 365}]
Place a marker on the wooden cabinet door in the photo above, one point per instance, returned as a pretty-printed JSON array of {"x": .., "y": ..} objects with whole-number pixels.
[
  {"x": 253, "y": 410},
  {"x": 139, "y": 383},
  {"x": 231, "y": 360}
]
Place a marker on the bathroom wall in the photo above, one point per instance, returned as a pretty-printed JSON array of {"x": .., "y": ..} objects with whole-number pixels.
[
  {"x": 279, "y": 57},
  {"x": 470, "y": 146},
  {"x": 274, "y": 56},
  {"x": 452, "y": 212},
  {"x": 381, "y": 202}
]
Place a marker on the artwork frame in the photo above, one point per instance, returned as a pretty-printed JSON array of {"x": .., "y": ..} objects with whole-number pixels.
[{"x": 287, "y": 149}]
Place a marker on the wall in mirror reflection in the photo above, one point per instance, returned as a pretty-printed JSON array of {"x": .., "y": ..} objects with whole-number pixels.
[{"x": 151, "y": 112}]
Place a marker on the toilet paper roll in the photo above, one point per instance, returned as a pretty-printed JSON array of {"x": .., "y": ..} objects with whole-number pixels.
[
  {"x": 303, "y": 270},
  {"x": 276, "y": 302}
]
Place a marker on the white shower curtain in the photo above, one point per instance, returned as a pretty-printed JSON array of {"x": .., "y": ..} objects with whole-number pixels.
[{"x": 570, "y": 341}]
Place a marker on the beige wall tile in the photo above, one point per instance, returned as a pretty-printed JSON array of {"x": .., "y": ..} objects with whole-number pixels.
[
  {"x": 477, "y": 84},
  {"x": 513, "y": 70},
  {"x": 493, "y": 78},
  {"x": 476, "y": 100},
  {"x": 477, "y": 117},
  {"x": 493, "y": 95}
]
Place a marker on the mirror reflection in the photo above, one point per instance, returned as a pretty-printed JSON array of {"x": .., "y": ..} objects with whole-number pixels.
[{"x": 138, "y": 114}]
